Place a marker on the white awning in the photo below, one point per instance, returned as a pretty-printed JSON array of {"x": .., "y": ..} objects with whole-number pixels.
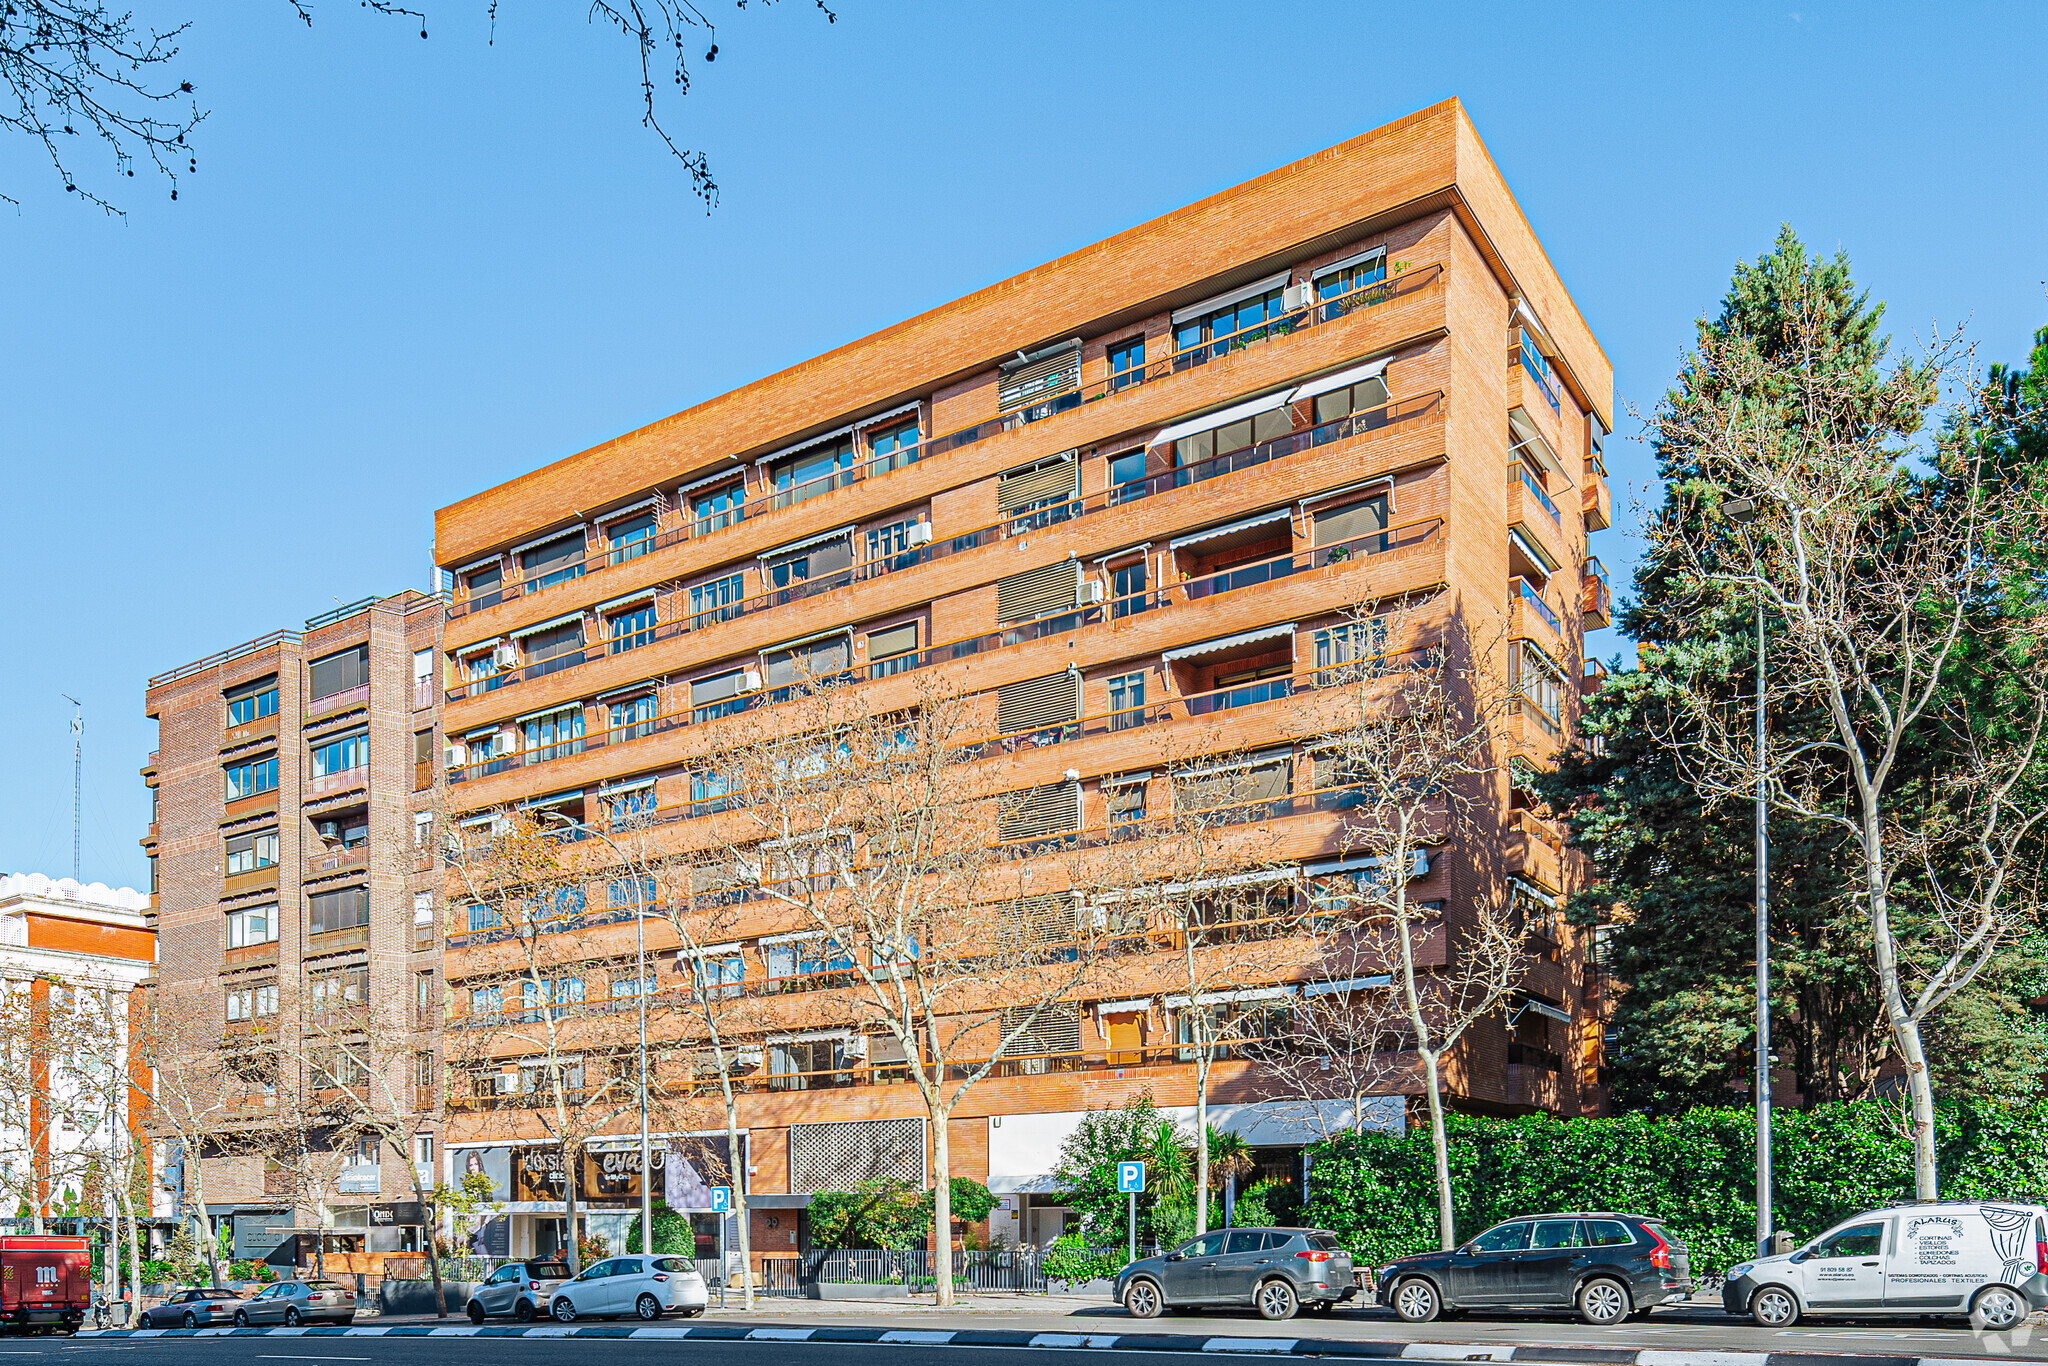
[
  {"x": 1118, "y": 554},
  {"x": 1271, "y": 282},
  {"x": 1528, "y": 437},
  {"x": 1234, "y": 880},
  {"x": 1211, "y": 998},
  {"x": 809, "y": 1035},
  {"x": 557, "y": 534},
  {"x": 1333, "y": 494},
  {"x": 720, "y": 476},
  {"x": 475, "y": 647},
  {"x": 1534, "y": 551},
  {"x": 1251, "y": 407},
  {"x": 559, "y": 799},
  {"x": 630, "y": 785},
  {"x": 1343, "y": 379},
  {"x": 1523, "y": 885},
  {"x": 1353, "y": 259},
  {"x": 555, "y": 710},
  {"x": 1546, "y": 1010},
  {"x": 787, "y": 645},
  {"x": 614, "y": 514},
  {"x": 1123, "y": 1007},
  {"x": 644, "y": 685},
  {"x": 1418, "y": 864},
  {"x": 804, "y": 444},
  {"x": 794, "y": 936},
  {"x": 1208, "y": 647},
  {"x": 496, "y": 557},
  {"x": 1348, "y": 984},
  {"x": 805, "y": 543},
  {"x": 705, "y": 951},
  {"x": 1524, "y": 316},
  {"x": 1276, "y": 515},
  {"x": 550, "y": 624},
  {"x": 888, "y": 413},
  {"x": 644, "y": 595}
]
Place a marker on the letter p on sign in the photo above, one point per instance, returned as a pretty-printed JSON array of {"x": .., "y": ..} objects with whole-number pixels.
[{"x": 1130, "y": 1177}]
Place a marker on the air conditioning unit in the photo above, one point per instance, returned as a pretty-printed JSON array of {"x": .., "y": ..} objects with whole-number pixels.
[
  {"x": 1089, "y": 593},
  {"x": 750, "y": 681},
  {"x": 504, "y": 741},
  {"x": 855, "y": 1046},
  {"x": 1294, "y": 296},
  {"x": 330, "y": 831},
  {"x": 919, "y": 534},
  {"x": 746, "y": 1059},
  {"x": 452, "y": 756},
  {"x": 505, "y": 656}
]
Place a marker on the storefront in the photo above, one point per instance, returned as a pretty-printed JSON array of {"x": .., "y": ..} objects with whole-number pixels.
[{"x": 528, "y": 1191}]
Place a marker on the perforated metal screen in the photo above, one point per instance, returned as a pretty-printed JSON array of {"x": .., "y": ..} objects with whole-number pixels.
[{"x": 839, "y": 1156}]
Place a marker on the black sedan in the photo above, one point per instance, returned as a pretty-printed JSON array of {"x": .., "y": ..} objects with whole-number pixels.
[
  {"x": 1608, "y": 1267},
  {"x": 193, "y": 1309}
]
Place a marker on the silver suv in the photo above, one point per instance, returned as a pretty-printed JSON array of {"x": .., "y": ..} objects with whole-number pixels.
[{"x": 1273, "y": 1270}]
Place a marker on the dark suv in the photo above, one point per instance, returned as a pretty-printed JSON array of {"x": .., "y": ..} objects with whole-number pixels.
[
  {"x": 1273, "y": 1270},
  {"x": 1607, "y": 1266}
]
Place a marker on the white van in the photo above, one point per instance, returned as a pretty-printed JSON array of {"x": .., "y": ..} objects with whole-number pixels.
[{"x": 1989, "y": 1260}]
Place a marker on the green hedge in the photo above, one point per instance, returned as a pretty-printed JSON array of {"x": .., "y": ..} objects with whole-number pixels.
[{"x": 1696, "y": 1171}]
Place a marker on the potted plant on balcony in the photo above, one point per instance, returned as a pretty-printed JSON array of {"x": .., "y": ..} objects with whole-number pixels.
[{"x": 1338, "y": 554}]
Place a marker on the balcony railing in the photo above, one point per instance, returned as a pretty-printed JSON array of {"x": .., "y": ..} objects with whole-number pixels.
[
  {"x": 1298, "y": 322},
  {"x": 1538, "y": 370},
  {"x": 1359, "y": 549},
  {"x": 1416, "y": 408},
  {"x": 1533, "y": 600},
  {"x": 1520, "y": 472}
]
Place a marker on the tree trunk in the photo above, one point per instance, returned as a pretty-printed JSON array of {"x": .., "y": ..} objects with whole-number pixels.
[
  {"x": 1905, "y": 1029},
  {"x": 427, "y": 1230},
  {"x": 570, "y": 1161},
  {"x": 942, "y": 1207},
  {"x": 195, "y": 1203},
  {"x": 738, "y": 1176},
  {"x": 1439, "y": 1151},
  {"x": 1203, "y": 1058},
  {"x": 134, "y": 1255}
]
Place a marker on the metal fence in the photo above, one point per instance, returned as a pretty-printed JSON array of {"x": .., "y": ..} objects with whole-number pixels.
[{"x": 1013, "y": 1271}]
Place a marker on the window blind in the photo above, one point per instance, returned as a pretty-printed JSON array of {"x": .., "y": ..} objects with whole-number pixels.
[
  {"x": 1028, "y": 488},
  {"x": 718, "y": 687},
  {"x": 1026, "y": 384},
  {"x": 1038, "y": 702},
  {"x": 816, "y": 659},
  {"x": 1038, "y": 592},
  {"x": 1057, "y": 1029},
  {"x": 1041, "y": 811},
  {"x": 1351, "y": 522},
  {"x": 544, "y": 559},
  {"x": 892, "y": 641},
  {"x": 341, "y": 910},
  {"x": 339, "y": 673},
  {"x": 559, "y": 641}
]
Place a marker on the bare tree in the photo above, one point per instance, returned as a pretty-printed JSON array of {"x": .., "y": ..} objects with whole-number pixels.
[
  {"x": 882, "y": 832},
  {"x": 1899, "y": 603}
]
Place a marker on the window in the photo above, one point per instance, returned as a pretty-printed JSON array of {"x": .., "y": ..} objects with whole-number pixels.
[
  {"x": 623, "y": 892},
  {"x": 423, "y": 909},
  {"x": 718, "y": 975},
  {"x": 241, "y": 1004},
  {"x": 342, "y": 755},
  {"x": 625, "y": 988},
  {"x": 812, "y": 661},
  {"x": 719, "y": 695},
  {"x": 1505, "y": 1238},
  {"x": 818, "y": 470},
  {"x": 1040, "y": 811},
  {"x": 1127, "y": 476},
  {"x": 631, "y": 539},
  {"x": 632, "y": 628},
  {"x": 892, "y": 649},
  {"x": 1125, "y": 797},
  {"x": 894, "y": 448},
  {"x": 265, "y": 1000},
  {"x": 1126, "y": 364},
  {"x": 338, "y": 673},
  {"x": 1348, "y": 277},
  {"x": 486, "y": 1000},
  {"x": 1199, "y": 338},
  {"x": 423, "y": 1144},
  {"x": 423, "y": 995},
  {"x": 1249, "y": 687},
  {"x": 555, "y": 734},
  {"x": 628, "y": 718},
  {"x": 1044, "y": 383},
  {"x": 716, "y": 600},
  {"x": 1863, "y": 1240},
  {"x": 558, "y": 991},
  {"x": 256, "y": 925},
  {"x": 1367, "y": 396},
  {"x": 1355, "y": 529},
  {"x": 247, "y": 780},
  {"x": 484, "y": 587},
  {"x": 889, "y": 546},
  {"x": 1127, "y": 589},
  {"x": 343, "y": 910},
  {"x": 1347, "y": 651},
  {"x": 1127, "y": 701},
  {"x": 708, "y": 791},
  {"x": 719, "y": 508},
  {"x": 422, "y": 747},
  {"x": 1257, "y": 429},
  {"x": 252, "y": 702},
  {"x": 559, "y": 646},
  {"x": 247, "y": 853},
  {"x": 338, "y": 990},
  {"x": 623, "y": 805},
  {"x": 556, "y": 562},
  {"x": 1538, "y": 681},
  {"x": 820, "y": 561}
]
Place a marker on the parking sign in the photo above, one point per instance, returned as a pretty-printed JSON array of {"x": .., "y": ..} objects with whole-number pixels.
[
  {"x": 1130, "y": 1177},
  {"x": 721, "y": 1199}
]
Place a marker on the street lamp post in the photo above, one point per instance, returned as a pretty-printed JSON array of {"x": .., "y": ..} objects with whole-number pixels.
[
  {"x": 640, "y": 995},
  {"x": 1745, "y": 510}
]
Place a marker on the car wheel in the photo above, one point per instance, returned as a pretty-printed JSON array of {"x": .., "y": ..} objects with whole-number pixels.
[
  {"x": 292, "y": 1317},
  {"x": 476, "y": 1312},
  {"x": 1416, "y": 1301},
  {"x": 1997, "y": 1308},
  {"x": 241, "y": 1319},
  {"x": 1774, "y": 1307},
  {"x": 191, "y": 1319},
  {"x": 1143, "y": 1300},
  {"x": 647, "y": 1307},
  {"x": 523, "y": 1311},
  {"x": 1277, "y": 1301},
  {"x": 1603, "y": 1303},
  {"x": 564, "y": 1309}
]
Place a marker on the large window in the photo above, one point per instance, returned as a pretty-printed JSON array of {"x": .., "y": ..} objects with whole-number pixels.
[
  {"x": 1344, "y": 652},
  {"x": 559, "y": 560},
  {"x": 1539, "y": 681},
  {"x": 338, "y": 673},
  {"x": 252, "y": 702},
  {"x": 892, "y": 649},
  {"x": 813, "y": 562},
  {"x": 337, "y": 990},
  {"x": 889, "y": 546},
  {"x": 1347, "y": 278},
  {"x": 1126, "y": 364},
  {"x": 247, "y": 780},
  {"x": 632, "y": 538},
  {"x": 716, "y": 600},
  {"x": 554, "y": 735},
  {"x": 818, "y": 470},
  {"x": 247, "y": 853},
  {"x": 1204, "y": 336},
  {"x": 557, "y": 646},
  {"x": 894, "y": 448},
  {"x": 719, "y": 507},
  {"x": 251, "y": 926},
  {"x": 719, "y": 695},
  {"x": 343, "y": 910},
  {"x": 484, "y": 586},
  {"x": 1127, "y": 701},
  {"x": 628, "y": 718},
  {"x": 342, "y": 755},
  {"x": 632, "y": 628},
  {"x": 1127, "y": 589}
]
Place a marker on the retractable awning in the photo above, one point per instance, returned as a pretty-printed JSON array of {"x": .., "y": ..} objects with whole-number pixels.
[
  {"x": 1210, "y": 534},
  {"x": 1251, "y": 407},
  {"x": 804, "y": 544},
  {"x": 1343, "y": 379},
  {"x": 1209, "y": 647}
]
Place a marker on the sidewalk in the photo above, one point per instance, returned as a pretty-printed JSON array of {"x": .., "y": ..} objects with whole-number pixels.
[{"x": 787, "y": 1307}]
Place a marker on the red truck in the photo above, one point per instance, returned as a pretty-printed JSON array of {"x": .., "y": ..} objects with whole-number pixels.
[{"x": 45, "y": 1282}]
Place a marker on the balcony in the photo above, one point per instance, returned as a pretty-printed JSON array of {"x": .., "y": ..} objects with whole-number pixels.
[
  {"x": 1593, "y": 678},
  {"x": 262, "y": 728},
  {"x": 1527, "y": 608},
  {"x": 1418, "y": 408},
  {"x": 333, "y": 784},
  {"x": 255, "y": 804},
  {"x": 338, "y": 941},
  {"x": 1519, "y": 475},
  {"x": 340, "y": 860},
  {"x": 358, "y": 696},
  {"x": 256, "y": 879},
  {"x": 1533, "y": 1087},
  {"x": 422, "y": 694},
  {"x": 1596, "y": 600},
  {"x": 1365, "y": 549},
  {"x": 1597, "y": 506},
  {"x": 251, "y": 956},
  {"x": 1304, "y": 321}
]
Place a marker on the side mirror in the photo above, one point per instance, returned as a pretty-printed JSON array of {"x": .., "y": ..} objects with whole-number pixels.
[
  {"x": 1465, "y": 1251},
  {"x": 1801, "y": 1255},
  {"x": 1176, "y": 1256}
]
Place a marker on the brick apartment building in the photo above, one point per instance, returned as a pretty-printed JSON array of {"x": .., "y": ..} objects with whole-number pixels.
[
  {"x": 294, "y": 783},
  {"x": 1113, "y": 481}
]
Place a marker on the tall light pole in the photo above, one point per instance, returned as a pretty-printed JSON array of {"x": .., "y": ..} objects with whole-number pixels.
[
  {"x": 640, "y": 994},
  {"x": 1744, "y": 510}
]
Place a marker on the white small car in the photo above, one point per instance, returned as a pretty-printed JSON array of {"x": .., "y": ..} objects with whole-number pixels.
[
  {"x": 1988, "y": 1259},
  {"x": 645, "y": 1287}
]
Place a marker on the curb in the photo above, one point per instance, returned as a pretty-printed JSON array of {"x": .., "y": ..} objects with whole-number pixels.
[{"x": 1123, "y": 1342}]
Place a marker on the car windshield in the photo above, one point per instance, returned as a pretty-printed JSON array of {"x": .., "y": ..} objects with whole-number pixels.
[
  {"x": 548, "y": 1271},
  {"x": 1506, "y": 1238}
]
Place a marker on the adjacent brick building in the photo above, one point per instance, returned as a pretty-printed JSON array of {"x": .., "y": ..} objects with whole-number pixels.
[
  {"x": 1114, "y": 482},
  {"x": 294, "y": 784}
]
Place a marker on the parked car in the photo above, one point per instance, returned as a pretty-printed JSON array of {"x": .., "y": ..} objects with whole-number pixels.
[
  {"x": 1986, "y": 1259},
  {"x": 193, "y": 1309},
  {"x": 1273, "y": 1270},
  {"x": 1606, "y": 1266},
  {"x": 645, "y": 1287},
  {"x": 296, "y": 1302},
  {"x": 521, "y": 1289}
]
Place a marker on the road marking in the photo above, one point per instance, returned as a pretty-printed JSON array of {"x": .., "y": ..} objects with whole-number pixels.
[
  {"x": 1250, "y": 1344},
  {"x": 1455, "y": 1351},
  {"x": 1086, "y": 1340},
  {"x": 290, "y": 1356},
  {"x": 781, "y": 1334}
]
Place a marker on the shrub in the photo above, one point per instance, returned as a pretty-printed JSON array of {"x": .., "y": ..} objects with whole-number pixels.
[
  {"x": 881, "y": 1214},
  {"x": 1073, "y": 1261},
  {"x": 672, "y": 1232}
]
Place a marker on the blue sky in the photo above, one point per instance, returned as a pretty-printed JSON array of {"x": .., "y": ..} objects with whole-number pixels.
[{"x": 407, "y": 270}]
